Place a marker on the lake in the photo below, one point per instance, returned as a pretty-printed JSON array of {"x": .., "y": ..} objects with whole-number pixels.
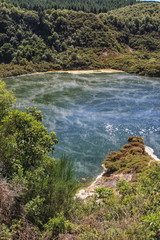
[{"x": 93, "y": 114}]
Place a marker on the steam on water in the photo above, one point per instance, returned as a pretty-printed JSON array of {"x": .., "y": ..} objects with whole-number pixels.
[{"x": 93, "y": 114}]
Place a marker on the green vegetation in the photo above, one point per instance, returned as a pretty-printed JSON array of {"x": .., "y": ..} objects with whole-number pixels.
[
  {"x": 76, "y": 5},
  {"x": 37, "y": 187},
  {"x": 125, "y": 39},
  {"x": 37, "y": 192},
  {"x": 131, "y": 214},
  {"x": 131, "y": 158}
]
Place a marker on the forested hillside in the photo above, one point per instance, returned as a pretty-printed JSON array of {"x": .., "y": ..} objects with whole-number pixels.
[
  {"x": 87, "y": 6},
  {"x": 126, "y": 39}
]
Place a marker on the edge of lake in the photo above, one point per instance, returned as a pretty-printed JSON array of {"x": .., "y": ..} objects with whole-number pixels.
[
  {"x": 72, "y": 72},
  {"x": 112, "y": 180}
]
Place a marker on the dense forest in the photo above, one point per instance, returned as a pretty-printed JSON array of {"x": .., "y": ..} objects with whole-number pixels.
[
  {"x": 37, "y": 192},
  {"x": 87, "y": 6},
  {"x": 127, "y": 39}
]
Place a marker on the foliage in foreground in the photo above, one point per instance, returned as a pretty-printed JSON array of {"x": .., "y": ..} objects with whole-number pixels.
[
  {"x": 132, "y": 212},
  {"x": 35, "y": 186}
]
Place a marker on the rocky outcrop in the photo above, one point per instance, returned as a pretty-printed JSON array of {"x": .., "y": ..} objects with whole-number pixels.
[{"x": 109, "y": 180}]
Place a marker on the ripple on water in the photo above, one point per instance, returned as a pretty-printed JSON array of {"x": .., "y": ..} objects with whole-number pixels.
[{"x": 93, "y": 114}]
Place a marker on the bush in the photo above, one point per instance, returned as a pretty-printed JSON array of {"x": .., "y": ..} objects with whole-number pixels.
[
  {"x": 131, "y": 157},
  {"x": 57, "y": 225}
]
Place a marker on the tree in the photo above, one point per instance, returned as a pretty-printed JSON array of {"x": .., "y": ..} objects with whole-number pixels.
[
  {"x": 6, "y": 52},
  {"x": 25, "y": 145},
  {"x": 26, "y": 142},
  {"x": 6, "y": 100}
]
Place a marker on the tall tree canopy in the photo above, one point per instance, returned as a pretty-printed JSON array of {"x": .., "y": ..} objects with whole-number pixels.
[{"x": 87, "y": 6}]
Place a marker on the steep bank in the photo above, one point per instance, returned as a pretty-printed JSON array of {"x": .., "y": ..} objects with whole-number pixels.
[{"x": 110, "y": 180}]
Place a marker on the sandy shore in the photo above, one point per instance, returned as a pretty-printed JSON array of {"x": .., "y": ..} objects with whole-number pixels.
[
  {"x": 77, "y": 71},
  {"x": 111, "y": 181},
  {"x": 82, "y": 71},
  {"x": 93, "y": 71}
]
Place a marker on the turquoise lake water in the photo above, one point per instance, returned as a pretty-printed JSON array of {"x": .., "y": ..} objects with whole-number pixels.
[{"x": 93, "y": 114}]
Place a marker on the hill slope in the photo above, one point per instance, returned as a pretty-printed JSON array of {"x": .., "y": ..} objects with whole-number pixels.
[
  {"x": 87, "y": 6},
  {"x": 126, "y": 39}
]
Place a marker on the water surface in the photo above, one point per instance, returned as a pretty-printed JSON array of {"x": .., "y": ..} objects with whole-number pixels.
[{"x": 93, "y": 114}]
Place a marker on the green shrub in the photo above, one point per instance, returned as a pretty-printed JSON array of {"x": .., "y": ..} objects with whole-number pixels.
[
  {"x": 57, "y": 225},
  {"x": 131, "y": 157}
]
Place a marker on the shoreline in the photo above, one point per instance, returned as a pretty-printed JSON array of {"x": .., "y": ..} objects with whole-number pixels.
[
  {"x": 100, "y": 180},
  {"x": 71, "y": 72},
  {"x": 150, "y": 152},
  {"x": 83, "y": 194},
  {"x": 82, "y": 71}
]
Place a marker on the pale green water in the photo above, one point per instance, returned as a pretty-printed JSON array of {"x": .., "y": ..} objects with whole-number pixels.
[{"x": 93, "y": 114}]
